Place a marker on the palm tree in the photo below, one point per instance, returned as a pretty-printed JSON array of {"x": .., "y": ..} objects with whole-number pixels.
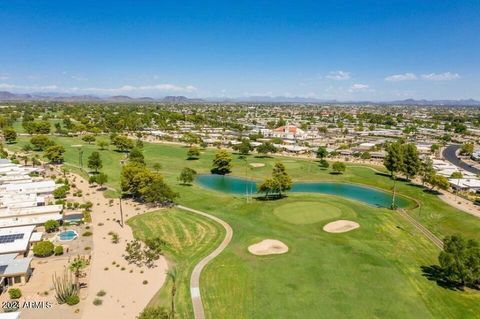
[
  {"x": 76, "y": 267},
  {"x": 172, "y": 275}
]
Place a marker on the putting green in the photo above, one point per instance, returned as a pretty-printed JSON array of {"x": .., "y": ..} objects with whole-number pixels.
[{"x": 307, "y": 212}]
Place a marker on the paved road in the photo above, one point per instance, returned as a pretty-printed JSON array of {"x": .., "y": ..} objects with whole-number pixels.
[
  {"x": 449, "y": 153},
  {"x": 195, "y": 278}
]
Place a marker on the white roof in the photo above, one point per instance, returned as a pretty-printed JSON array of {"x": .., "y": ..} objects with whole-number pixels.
[
  {"x": 10, "y": 315},
  {"x": 30, "y": 186},
  {"x": 33, "y": 210},
  {"x": 13, "y": 266},
  {"x": 15, "y": 244},
  {"x": 465, "y": 182}
]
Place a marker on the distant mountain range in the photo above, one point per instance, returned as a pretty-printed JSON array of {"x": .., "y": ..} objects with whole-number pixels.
[{"x": 8, "y": 96}]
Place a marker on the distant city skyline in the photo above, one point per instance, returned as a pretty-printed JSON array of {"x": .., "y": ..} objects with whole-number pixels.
[{"x": 343, "y": 50}]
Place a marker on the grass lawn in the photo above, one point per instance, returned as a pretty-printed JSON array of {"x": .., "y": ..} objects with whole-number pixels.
[
  {"x": 372, "y": 272},
  {"x": 189, "y": 237}
]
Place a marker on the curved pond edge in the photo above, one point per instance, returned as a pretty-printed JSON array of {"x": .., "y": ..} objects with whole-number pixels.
[{"x": 412, "y": 202}]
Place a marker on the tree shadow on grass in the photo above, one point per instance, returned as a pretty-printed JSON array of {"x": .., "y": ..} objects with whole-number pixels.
[
  {"x": 263, "y": 156},
  {"x": 435, "y": 273},
  {"x": 432, "y": 191},
  {"x": 269, "y": 198}
]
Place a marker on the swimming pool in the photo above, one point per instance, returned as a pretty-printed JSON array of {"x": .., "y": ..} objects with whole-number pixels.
[{"x": 67, "y": 235}]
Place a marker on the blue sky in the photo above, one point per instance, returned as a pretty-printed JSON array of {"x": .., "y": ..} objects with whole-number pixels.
[{"x": 346, "y": 50}]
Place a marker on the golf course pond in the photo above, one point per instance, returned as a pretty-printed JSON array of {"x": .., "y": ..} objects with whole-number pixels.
[{"x": 368, "y": 195}]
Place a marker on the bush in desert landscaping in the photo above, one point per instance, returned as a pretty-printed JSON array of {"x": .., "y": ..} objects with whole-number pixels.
[
  {"x": 51, "y": 225},
  {"x": 97, "y": 302},
  {"x": 65, "y": 287},
  {"x": 101, "y": 293},
  {"x": 87, "y": 233},
  {"x": 72, "y": 300},
  {"x": 14, "y": 293},
  {"x": 58, "y": 250},
  {"x": 43, "y": 248},
  {"x": 154, "y": 313}
]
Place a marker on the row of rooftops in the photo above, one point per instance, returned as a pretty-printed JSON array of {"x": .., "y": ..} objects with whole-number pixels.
[{"x": 23, "y": 198}]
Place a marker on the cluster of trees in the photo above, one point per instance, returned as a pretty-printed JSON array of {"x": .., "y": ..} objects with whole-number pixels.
[
  {"x": 279, "y": 183},
  {"x": 122, "y": 143},
  {"x": 144, "y": 183},
  {"x": 36, "y": 127},
  {"x": 460, "y": 260},
  {"x": 403, "y": 159}
]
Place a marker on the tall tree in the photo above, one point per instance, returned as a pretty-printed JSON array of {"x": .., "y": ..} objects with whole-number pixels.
[
  {"x": 393, "y": 161},
  {"x": 136, "y": 156},
  {"x": 193, "y": 153},
  {"x": 95, "y": 161},
  {"x": 339, "y": 167},
  {"x": 172, "y": 275},
  {"x": 322, "y": 152},
  {"x": 426, "y": 170},
  {"x": 411, "y": 161},
  {"x": 10, "y": 135},
  {"x": 54, "y": 154},
  {"x": 266, "y": 148},
  {"x": 222, "y": 163},
  {"x": 76, "y": 266},
  {"x": 187, "y": 175},
  {"x": 460, "y": 259}
]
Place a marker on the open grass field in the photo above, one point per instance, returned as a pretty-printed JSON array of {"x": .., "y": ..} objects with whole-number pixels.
[
  {"x": 372, "y": 272},
  {"x": 189, "y": 238}
]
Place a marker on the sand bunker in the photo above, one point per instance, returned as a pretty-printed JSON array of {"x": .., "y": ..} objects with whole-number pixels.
[
  {"x": 257, "y": 165},
  {"x": 340, "y": 226},
  {"x": 268, "y": 247}
]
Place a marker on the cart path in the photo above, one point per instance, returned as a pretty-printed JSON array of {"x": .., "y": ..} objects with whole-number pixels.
[
  {"x": 428, "y": 234},
  {"x": 197, "y": 270}
]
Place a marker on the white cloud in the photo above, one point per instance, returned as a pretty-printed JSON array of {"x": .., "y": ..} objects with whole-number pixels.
[
  {"x": 4, "y": 76},
  {"x": 338, "y": 75},
  {"x": 358, "y": 87},
  {"x": 447, "y": 76},
  {"x": 401, "y": 77}
]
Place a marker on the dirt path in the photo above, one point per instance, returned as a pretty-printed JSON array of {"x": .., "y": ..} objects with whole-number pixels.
[
  {"x": 128, "y": 288},
  {"x": 195, "y": 278}
]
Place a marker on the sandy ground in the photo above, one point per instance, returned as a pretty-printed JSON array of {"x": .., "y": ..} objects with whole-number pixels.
[
  {"x": 460, "y": 203},
  {"x": 268, "y": 247},
  {"x": 340, "y": 226},
  {"x": 126, "y": 294},
  {"x": 257, "y": 165}
]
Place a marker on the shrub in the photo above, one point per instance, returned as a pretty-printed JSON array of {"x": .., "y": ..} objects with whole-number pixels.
[
  {"x": 72, "y": 300},
  {"x": 43, "y": 248},
  {"x": 14, "y": 293},
  {"x": 51, "y": 225},
  {"x": 87, "y": 233},
  {"x": 145, "y": 282},
  {"x": 101, "y": 293},
  {"x": 97, "y": 302},
  {"x": 58, "y": 250}
]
